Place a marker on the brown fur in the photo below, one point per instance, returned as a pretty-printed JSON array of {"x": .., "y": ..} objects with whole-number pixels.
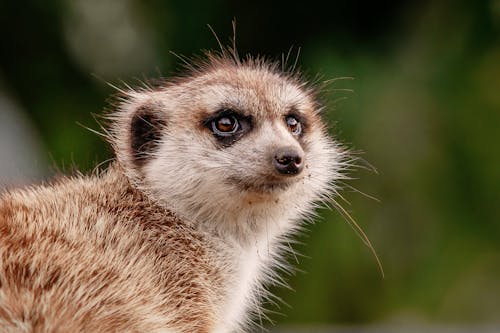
[{"x": 42, "y": 289}]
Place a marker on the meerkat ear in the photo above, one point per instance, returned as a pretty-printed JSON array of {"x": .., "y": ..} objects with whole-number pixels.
[
  {"x": 137, "y": 129},
  {"x": 145, "y": 132}
]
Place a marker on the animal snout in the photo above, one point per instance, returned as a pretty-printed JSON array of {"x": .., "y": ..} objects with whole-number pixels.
[{"x": 288, "y": 161}]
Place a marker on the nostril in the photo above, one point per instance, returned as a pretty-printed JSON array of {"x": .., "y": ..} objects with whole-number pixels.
[
  {"x": 285, "y": 160},
  {"x": 288, "y": 162}
]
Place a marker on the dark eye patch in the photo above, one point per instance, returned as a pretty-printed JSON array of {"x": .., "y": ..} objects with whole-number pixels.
[
  {"x": 228, "y": 126},
  {"x": 145, "y": 132}
]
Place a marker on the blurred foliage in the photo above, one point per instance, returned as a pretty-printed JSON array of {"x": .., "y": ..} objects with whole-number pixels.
[{"x": 425, "y": 109}]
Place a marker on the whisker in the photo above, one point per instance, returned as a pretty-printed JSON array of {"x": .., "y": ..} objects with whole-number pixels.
[
  {"x": 337, "y": 79},
  {"x": 361, "y": 234},
  {"x": 184, "y": 59},
  {"x": 91, "y": 130},
  {"x": 339, "y": 99},
  {"x": 120, "y": 90},
  {"x": 359, "y": 191}
]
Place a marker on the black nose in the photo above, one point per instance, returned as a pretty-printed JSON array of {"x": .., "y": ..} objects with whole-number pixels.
[{"x": 288, "y": 161}]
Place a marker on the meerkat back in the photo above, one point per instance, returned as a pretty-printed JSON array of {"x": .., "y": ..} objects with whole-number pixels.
[{"x": 213, "y": 171}]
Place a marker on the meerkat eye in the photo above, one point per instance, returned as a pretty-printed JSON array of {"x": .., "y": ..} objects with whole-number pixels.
[
  {"x": 225, "y": 125},
  {"x": 294, "y": 125},
  {"x": 228, "y": 126}
]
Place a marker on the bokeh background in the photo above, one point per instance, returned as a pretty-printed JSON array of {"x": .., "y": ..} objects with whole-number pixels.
[{"x": 424, "y": 110}]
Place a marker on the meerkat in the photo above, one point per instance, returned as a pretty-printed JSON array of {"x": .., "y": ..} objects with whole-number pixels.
[{"x": 214, "y": 170}]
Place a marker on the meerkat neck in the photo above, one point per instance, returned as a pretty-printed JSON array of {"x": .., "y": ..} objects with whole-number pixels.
[{"x": 249, "y": 227}]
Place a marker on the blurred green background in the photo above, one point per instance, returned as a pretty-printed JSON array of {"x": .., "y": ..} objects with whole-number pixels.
[{"x": 425, "y": 111}]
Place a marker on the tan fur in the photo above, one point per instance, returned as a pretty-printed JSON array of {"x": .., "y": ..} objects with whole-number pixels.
[
  {"x": 105, "y": 260},
  {"x": 182, "y": 239}
]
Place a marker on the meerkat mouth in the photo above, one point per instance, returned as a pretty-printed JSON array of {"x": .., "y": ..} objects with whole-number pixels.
[{"x": 268, "y": 186}]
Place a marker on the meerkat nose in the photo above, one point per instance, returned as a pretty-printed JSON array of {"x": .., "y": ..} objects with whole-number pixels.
[{"x": 288, "y": 161}]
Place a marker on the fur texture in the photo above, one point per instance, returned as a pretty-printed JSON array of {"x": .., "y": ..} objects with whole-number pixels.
[{"x": 182, "y": 232}]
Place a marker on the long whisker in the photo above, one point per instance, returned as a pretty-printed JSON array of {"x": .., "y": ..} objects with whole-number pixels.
[
  {"x": 182, "y": 58},
  {"x": 337, "y": 79},
  {"x": 91, "y": 130},
  {"x": 361, "y": 234},
  {"x": 344, "y": 184}
]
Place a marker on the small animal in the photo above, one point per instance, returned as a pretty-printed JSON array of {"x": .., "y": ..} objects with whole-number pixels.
[{"x": 214, "y": 171}]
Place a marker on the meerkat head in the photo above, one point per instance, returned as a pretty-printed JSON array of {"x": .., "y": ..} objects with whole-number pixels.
[{"x": 234, "y": 146}]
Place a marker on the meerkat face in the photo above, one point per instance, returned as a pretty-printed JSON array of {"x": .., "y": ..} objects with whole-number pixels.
[{"x": 232, "y": 140}]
